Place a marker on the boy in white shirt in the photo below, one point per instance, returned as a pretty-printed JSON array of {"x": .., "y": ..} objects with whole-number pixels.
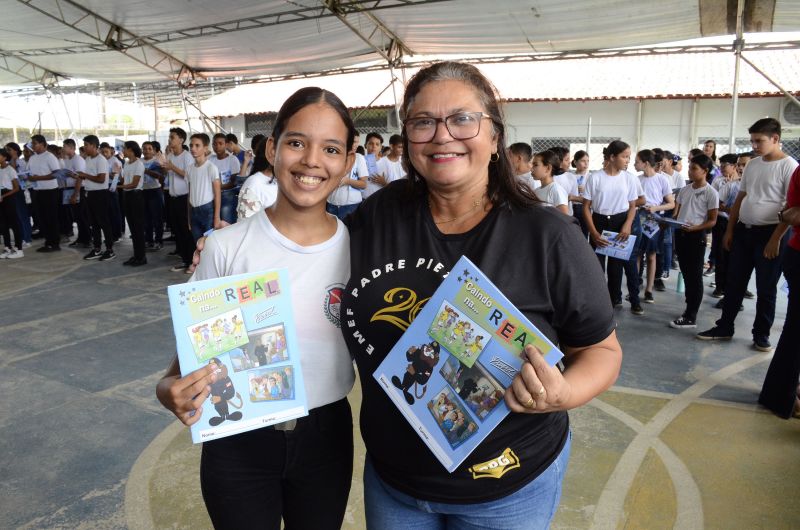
[
  {"x": 94, "y": 179},
  {"x": 229, "y": 167},
  {"x": 176, "y": 164},
  {"x": 346, "y": 198},
  {"x": 114, "y": 174},
  {"x": 521, "y": 156},
  {"x": 755, "y": 235},
  {"x": 43, "y": 166},
  {"x": 205, "y": 190},
  {"x": 74, "y": 163}
]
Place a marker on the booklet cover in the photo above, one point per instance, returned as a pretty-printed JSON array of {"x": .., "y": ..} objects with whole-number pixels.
[
  {"x": 244, "y": 325},
  {"x": 449, "y": 371},
  {"x": 669, "y": 221},
  {"x": 617, "y": 249}
]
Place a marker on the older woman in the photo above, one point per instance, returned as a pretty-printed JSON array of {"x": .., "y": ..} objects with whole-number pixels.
[{"x": 461, "y": 198}]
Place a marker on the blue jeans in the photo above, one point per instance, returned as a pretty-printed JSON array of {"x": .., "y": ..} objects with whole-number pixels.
[
  {"x": 341, "y": 211},
  {"x": 154, "y": 215},
  {"x": 747, "y": 253},
  {"x": 24, "y": 214},
  {"x": 531, "y": 507},
  {"x": 202, "y": 219},
  {"x": 227, "y": 209}
]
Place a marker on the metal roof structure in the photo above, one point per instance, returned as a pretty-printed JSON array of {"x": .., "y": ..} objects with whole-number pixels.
[{"x": 145, "y": 49}]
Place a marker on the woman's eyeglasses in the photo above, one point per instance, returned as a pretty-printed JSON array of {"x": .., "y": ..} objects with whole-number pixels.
[{"x": 461, "y": 126}]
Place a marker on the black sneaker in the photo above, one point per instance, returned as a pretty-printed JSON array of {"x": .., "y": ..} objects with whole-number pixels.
[
  {"x": 94, "y": 254},
  {"x": 665, "y": 275},
  {"x": 108, "y": 255},
  {"x": 659, "y": 285},
  {"x": 718, "y": 293},
  {"x": 762, "y": 344},
  {"x": 148, "y": 246},
  {"x": 749, "y": 295},
  {"x": 714, "y": 333},
  {"x": 682, "y": 322},
  {"x": 617, "y": 304},
  {"x": 709, "y": 271},
  {"x": 129, "y": 261},
  {"x": 648, "y": 298},
  {"x": 139, "y": 262},
  {"x": 637, "y": 309},
  {"x": 712, "y": 283}
]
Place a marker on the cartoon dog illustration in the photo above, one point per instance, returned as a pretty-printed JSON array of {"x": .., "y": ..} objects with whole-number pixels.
[
  {"x": 421, "y": 362},
  {"x": 222, "y": 393}
]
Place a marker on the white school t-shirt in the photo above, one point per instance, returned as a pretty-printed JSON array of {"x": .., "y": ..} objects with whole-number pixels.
[
  {"x": 44, "y": 164},
  {"x": 727, "y": 194},
  {"x": 96, "y": 166},
  {"x": 611, "y": 195},
  {"x": 150, "y": 183},
  {"x": 676, "y": 180},
  {"x": 201, "y": 189},
  {"x": 766, "y": 185},
  {"x": 130, "y": 171},
  {"x": 228, "y": 167},
  {"x": 258, "y": 192},
  {"x": 696, "y": 203},
  {"x": 568, "y": 181},
  {"x": 655, "y": 188},
  {"x": 552, "y": 194},
  {"x": 177, "y": 184},
  {"x": 7, "y": 177},
  {"x": 391, "y": 170},
  {"x": 344, "y": 195},
  {"x": 318, "y": 275},
  {"x": 75, "y": 164}
]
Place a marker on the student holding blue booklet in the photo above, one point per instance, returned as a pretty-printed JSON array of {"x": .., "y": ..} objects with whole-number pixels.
[{"x": 299, "y": 471}]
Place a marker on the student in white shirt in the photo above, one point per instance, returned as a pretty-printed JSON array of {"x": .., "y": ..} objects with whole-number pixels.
[
  {"x": 303, "y": 470},
  {"x": 229, "y": 168},
  {"x": 205, "y": 193},
  {"x": 610, "y": 204},
  {"x": 520, "y": 155},
  {"x": 74, "y": 163},
  {"x": 347, "y": 196},
  {"x": 697, "y": 207},
  {"x": 153, "y": 198},
  {"x": 9, "y": 222},
  {"x": 550, "y": 192},
  {"x": 176, "y": 163},
  {"x": 116, "y": 214},
  {"x": 756, "y": 236},
  {"x": 658, "y": 198},
  {"x": 22, "y": 198},
  {"x": 728, "y": 189},
  {"x": 390, "y": 167},
  {"x": 132, "y": 185},
  {"x": 42, "y": 167},
  {"x": 95, "y": 181},
  {"x": 260, "y": 190},
  {"x": 373, "y": 146}
]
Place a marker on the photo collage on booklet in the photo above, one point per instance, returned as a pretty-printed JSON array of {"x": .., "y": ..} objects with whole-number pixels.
[{"x": 471, "y": 393}]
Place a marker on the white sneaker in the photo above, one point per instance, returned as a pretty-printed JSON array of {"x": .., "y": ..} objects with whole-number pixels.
[
  {"x": 26, "y": 244},
  {"x": 16, "y": 254},
  {"x": 5, "y": 253}
]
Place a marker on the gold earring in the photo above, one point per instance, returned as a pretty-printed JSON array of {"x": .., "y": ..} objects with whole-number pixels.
[{"x": 494, "y": 158}]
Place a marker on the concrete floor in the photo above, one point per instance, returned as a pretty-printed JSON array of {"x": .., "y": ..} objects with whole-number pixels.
[{"x": 677, "y": 443}]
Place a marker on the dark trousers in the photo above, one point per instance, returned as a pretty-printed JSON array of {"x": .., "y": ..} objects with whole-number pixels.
[
  {"x": 179, "y": 210},
  {"x": 134, "y": 213},
  {"x": 9, "y": 222},
  {"x": 613, "y": 266},
  {"x": 115, "y": 217},
  {"x": 153, "y": 215},
  {"x": 577, "y": 212},
  {"x": 81, "y": 215},
  {"x": 97, "y": 202},
  {"x": 253, "y": 479},
  {"x": 721, "y": 255},
  {"x": 780, "y": 384},
  {"x": 747, "y": 253},
  {"x": 691, "y": 247},
  {"x": 65, "y": 219},
  {"x": 24, "y": 215},
  {"x": 47, "y": 203}
]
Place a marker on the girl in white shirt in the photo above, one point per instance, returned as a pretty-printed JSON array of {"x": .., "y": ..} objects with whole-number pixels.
[
  {"x": 610, "y": 204},
  {"x": 260, "y": 189},
  {"x": 550, "y": 192},
  {"x": 301, "y": 472},
  {"x": 9, "y": 222},
  {"x": 132, "y": 184},
  {"x": 697, "y": 206}
]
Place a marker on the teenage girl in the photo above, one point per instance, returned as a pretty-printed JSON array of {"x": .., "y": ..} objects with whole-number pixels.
[
  {"x": 658, "y": 198},
  {"x": 260, "y": 189},
  {"x": 697, "y": 206},
  {"x": 9, "y": 222},
  {"x": 610, "y": 204},
  {"x": 550, "y": 192},
  {"x": 580, "y": 168},
  {"x": 132, "y": 185},
  {"x": 300, "y": 473}
]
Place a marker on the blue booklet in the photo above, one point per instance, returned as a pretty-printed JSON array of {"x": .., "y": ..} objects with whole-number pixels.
[
  {"x": 244, "y": 325},
  {"x": 449, "y": 372},
  {"x": 617, "y": 249}
]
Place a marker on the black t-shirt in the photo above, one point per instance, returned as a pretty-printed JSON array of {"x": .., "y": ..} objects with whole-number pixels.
[{"x": 536, "y": 256}]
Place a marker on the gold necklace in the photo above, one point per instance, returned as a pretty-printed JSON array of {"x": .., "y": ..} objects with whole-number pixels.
[{"x": 475, "y": 204}]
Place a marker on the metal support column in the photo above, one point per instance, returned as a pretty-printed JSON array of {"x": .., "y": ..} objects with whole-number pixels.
[{"x": 738, "y": 44}]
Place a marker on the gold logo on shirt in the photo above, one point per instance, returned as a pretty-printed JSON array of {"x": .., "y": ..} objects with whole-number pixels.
[
  {"x": 403, "y": 310},
  {"x": 496, "y": 467}
]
